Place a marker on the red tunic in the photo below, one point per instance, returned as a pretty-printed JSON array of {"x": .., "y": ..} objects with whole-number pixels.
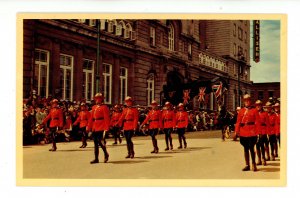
[
  {"x": 56, "y": 116},
  {"x": 182, "y": 119},
  {"x": 130, "y": 116},
  {"x": 83, "y": 118},
  {"x": 272, "y": 119},
  {"x": 264, "y": 123},
  {"x": 277, "y": 124},
  {"x": 169, "y": 119},
  {"x": 115, "y": 118},
  {"x": 248, "y": 122},
  {"x": 99, "y": 119},
  {"x": 154, "y": 118}
]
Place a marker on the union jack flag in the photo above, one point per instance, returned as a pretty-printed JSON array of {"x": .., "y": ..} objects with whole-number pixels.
[
  {"x": 201, "y": 94},
  {"x": 218, "y": 89},
  {"x": 186, "y": 96}
]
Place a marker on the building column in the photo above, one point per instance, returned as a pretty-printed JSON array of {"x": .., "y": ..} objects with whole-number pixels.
[
  {"x": 56, "y": 89},
  {"x": 77, "y": 72},
  {"x": 116, "y": 80}
]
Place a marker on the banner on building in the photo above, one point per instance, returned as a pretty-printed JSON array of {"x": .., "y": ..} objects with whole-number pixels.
[
  {"x": 256, "y": 41},
  {"x": 186, "y": 96},
  {"x": 201, "y": 94}
]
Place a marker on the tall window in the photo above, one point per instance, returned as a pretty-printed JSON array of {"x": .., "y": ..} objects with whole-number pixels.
[
  {"x": 41, "y": 72},
  {"x": 66, "y": 77},
  {"x": 233, "y": 100},
  {"x": 171, "y": 37},
  {"x": 123, "y": 83},
  {"x": 260, "y": 95},
  {"x": 190, "y": 50},
  {"x": 88, "y": 79},
  {"x": 150, "y": 89},
  {"x": 234, "y": 49},
  {"x": 152, "y": 36},
  {"x": 234, "y": 29},
  {"x": 128, "y": 31},
  {"x": 107, "y": 75},
  {"x": 240, "y": 34}
]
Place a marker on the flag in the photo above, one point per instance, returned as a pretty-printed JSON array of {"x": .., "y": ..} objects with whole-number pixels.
[
  {"x": 201, "y": 94},
  {"x": 186, "y": 96},
  {"x": 218, "y": 89}
]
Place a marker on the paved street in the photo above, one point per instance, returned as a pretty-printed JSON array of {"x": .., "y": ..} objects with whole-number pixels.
[{"x": 206, "y": 157}]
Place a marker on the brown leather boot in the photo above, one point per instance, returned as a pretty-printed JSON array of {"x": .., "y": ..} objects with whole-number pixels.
[
  {"x": 254, "y": 168},
  {"x": 247, "y": 167}
]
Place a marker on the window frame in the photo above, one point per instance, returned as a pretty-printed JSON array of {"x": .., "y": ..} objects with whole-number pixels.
[
  {"x": 171, "y": 38},
  {"x": 152, "y": 36},
  {"x": 125, "y": 77},
  {"x": 39, "y": 69},
  {"x": 86, "y": 72},
  {"x": 150, "y": 91},
  {"x": 107, "y": 100},
  {"x": 64, "y": 67}
]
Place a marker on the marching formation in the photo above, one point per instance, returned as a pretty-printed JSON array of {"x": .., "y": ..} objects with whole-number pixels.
[
  {"x": 257, "y": 126},
  {"x": 261, "y": 128}
]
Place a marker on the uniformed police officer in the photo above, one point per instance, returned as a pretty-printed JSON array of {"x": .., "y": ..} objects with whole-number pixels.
[
  {"x": 56, "y": 123},
  {"x": 262, "y": 132},
  {"x": 129, "y": 118},
  {"x": 83, "y": 119},
  {"x": 115, "y": 128},
  {"x": 169, "y": 123},
  {"x": 277, "y": 125},
  {"x": 247, "y": 126},
  {"x": 155, "y": 123},
  {"x": 99, "y": 125},
  {"x": 181, "y": 120},
  {"x": 272, "y": 130}
]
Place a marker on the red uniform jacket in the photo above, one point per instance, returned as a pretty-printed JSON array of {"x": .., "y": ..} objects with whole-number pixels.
[
  {"x": 272, "y": 119},
  {"x": 115, "y": 118},
  {"x": 154, "y": 118},
  {"x": 99, "y": 119},
  {"x": 83, "y": 118},
  {"x": 248, "y": 122},
  {"x": 264, "y": 123},
  {"x": 130, "y": 116},
  {"x": 56, "y": 116},
  {"x": 182, "y": 119},
  {"x": 277, "y": 124},
  {"x": 169, "y": 119}
]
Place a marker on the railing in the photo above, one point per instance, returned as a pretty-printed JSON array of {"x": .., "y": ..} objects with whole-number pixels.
[{"x": 212, "y": 61}]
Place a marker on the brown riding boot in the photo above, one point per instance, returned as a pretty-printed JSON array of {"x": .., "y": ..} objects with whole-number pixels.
[{"x": 247, "y": 167}]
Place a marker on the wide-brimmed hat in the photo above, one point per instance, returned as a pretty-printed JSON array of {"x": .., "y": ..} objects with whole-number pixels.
[
  {"x": 167, "y": 104},
  {"x": 99, "y": 95},
  {"x": 246, "y": 97},
  {"x": 258, "y": 102},
  {"x": 128, "y": 98},
  {"x": 180, "y": 105},
  {"x": 154, "y": 102}
]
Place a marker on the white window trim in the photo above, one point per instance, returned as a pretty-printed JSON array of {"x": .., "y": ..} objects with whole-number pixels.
[
  {"x": 121, "y": 84},
  {"x": 171, "y": 38},
  {"x": 39, "y": 63},
  {"x": 64, "y": 83},
  {"x": 150, "y": 80},
  {"x": 152, "y": 35},
  {"x": 110, "y": 83},
  {"x": 128, "y": 31},
  {"x": 87, "y": 71}
]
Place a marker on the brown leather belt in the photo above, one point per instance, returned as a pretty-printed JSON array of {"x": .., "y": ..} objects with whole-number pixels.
[{"x": 248, "y": 123}]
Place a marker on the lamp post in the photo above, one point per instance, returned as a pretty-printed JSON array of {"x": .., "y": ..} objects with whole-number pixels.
[{"x": 98, "y": 58}]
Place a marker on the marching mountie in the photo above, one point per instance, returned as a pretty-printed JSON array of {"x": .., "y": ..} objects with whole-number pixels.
[
  {"x": 272, "y": 131},
  {"x": 99, "y": 125},
  {"x": 181, "y": 120},
  {"x": 113, "y": 124},
  {"x": 155, "y": 124},
  {"x": 82, "y": 119},
  {"x": 263, "y": 141},
  {"x": 169, "y": 122},
  {"x": 56, "y": 123},
  {"x": 277, "y": 124},
  {"x": 247, "y": 127},
  {"x": 129, "y": 117}
]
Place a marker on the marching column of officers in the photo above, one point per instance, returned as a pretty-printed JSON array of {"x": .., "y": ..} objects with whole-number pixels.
[
  {"x": 99, "y": 122},
  {"x": 257, "y": 126}
]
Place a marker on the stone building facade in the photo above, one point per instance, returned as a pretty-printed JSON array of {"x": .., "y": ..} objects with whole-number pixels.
[{"x": 136, "y": 58}]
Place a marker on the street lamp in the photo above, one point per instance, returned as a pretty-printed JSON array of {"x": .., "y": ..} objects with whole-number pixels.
[{"x": 98, "y": 58}]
